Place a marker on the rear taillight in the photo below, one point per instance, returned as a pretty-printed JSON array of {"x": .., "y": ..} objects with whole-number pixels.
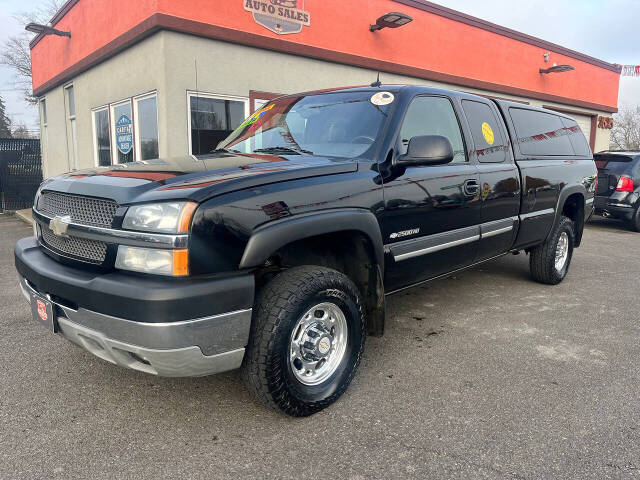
[{"x": 625, "y": 184}]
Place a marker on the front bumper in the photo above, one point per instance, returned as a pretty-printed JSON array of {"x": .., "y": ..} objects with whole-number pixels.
[{"x": 161, "y": 344}]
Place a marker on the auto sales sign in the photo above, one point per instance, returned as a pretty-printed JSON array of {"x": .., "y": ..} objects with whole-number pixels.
[{"x": 279, "y": 16}]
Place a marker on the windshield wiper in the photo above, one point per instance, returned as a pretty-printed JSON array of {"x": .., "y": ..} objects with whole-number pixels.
[
  {"x": 224, "y": 150},
  {"x": 282, "y": 150}
]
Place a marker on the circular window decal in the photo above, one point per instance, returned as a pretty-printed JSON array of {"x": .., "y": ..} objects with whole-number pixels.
[{"x": 382, "y": 98}]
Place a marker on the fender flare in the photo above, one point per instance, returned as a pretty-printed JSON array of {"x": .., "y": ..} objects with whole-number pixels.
[
  {"x": 272, "y": 236},
  {"x": 562, "y": 198}
]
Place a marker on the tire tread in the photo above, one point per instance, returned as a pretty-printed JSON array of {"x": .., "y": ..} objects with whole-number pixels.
[{"x": 274, "y": 302}]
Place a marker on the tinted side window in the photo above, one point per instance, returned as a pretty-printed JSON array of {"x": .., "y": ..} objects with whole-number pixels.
[
  {"x": 576, "y": 137},
  {"x": 540, "y": 133},
  {"x": 490, "y": 145},
  {"x": 432, "y": 116}
]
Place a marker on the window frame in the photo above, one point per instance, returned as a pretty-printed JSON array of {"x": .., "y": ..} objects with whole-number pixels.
[
  {"x": 517, "y": 137},
  {"x": 498, "y": 128},
  {"x": 44, "y": 134},
  {"x": 136, "y": 122},
  {"x": 69, "y": 93},
  {"x": 214, "y": 96},
  {"x": 96, "y": 155},
  {"x": 463, "y": 136}
]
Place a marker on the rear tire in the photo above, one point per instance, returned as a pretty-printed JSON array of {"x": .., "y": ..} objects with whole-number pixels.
[
  {"x": 307, "y": 337},
  {"x": 549, "y": 262},
  {"x": 634, "y": 222}
]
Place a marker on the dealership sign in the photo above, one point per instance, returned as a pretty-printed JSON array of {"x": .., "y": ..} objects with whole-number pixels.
[{"x": 279, "y": 16}]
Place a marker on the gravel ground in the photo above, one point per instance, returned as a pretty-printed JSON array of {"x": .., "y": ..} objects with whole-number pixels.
[{"x": 482, "y": 375}]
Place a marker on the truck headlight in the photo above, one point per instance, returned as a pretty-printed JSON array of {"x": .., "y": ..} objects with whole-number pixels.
[
  {"x": 170, "y": 217},
  {"x": 153, "y": 260}
]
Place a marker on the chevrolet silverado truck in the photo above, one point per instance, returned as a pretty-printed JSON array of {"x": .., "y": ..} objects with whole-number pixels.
[{"x": 275, "y": 252}]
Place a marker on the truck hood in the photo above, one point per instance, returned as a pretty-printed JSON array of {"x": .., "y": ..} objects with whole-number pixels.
[{"x": 193, "y": 178}]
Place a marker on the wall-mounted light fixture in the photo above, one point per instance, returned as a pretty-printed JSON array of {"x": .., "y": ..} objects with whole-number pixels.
[
  {"x": 557, "y": 69},
  {"x": 45, "y": 30},
  {"x": 391, "y": 20}
]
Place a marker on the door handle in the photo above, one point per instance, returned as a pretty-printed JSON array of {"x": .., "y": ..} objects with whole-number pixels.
[{"x": 471, "y": 187}]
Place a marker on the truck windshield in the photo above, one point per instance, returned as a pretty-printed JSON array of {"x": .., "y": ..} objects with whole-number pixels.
[{"x": 332, "y": 124}]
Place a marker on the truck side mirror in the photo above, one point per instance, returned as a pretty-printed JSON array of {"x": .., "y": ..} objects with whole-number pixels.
[{"x": 427, "y": 150}]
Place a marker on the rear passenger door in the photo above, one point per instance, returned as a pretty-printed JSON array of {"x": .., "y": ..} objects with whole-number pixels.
[
  {"x": 432, "y": 213},
  {"x": 499, "y": 177}
]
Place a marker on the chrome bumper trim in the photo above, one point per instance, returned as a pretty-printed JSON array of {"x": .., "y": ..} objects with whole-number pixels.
[
  {"x": 122, "y": 237},
  {"x": 179, "y": 362},
  {"x": 198, "y": 347}
]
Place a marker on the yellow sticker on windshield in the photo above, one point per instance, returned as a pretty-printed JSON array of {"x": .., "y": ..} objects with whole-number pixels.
[{"x": 487, "y": 133}]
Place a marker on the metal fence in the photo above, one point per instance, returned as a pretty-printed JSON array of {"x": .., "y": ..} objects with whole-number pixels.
[{"x": 20, "y": 172}]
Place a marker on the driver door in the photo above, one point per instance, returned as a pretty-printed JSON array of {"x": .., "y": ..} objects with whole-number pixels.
[{"x": 432, "y": 213}]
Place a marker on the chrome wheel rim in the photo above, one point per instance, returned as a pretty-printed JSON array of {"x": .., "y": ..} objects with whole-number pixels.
[
  {"x": 562, "y": 251},
  {"x": 318, "y": 343}
]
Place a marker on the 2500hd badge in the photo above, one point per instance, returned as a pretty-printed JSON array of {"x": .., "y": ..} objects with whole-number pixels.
[{"x": 275, "y": 252}]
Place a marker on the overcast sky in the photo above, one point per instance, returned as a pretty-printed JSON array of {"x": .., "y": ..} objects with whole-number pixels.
[{"x": 605, "y": 29}]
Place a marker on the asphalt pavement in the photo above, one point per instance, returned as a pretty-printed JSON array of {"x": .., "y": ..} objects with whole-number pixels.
[{"x": 485, "y": 374}]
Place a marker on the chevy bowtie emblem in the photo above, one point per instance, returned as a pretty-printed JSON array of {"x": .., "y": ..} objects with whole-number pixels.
[{"x": 60, "y": 224}]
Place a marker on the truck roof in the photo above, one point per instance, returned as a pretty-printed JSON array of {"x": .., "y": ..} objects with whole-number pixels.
[{"x": 416, "y": 89}]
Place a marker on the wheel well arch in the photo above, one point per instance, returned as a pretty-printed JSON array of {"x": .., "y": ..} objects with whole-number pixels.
[
  {"x": 573, "y": 207},
  {"x": 347, "y": 241}
]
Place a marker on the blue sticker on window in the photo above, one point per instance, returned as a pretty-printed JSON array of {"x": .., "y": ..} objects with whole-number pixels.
[{"x": 124, "y": 134}]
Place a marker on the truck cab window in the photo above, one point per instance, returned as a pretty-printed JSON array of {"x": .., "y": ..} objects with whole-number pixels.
[
  {"x": 490, "y": 146},
  {"x": 432, "y": 116}
]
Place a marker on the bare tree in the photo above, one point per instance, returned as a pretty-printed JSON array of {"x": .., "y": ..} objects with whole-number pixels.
[
  {"x": 15, "y": 51},
  {"x": 626, "y": 129},
  {"x": 21, "y": 131}
]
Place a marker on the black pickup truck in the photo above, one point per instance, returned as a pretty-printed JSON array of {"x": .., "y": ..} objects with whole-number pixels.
[{"x": 275, "y": 252}]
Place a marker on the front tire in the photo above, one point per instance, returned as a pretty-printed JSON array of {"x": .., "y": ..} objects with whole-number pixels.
[
  {"x": 549, "y": 262},
  {"x": 307, "y": 337}
]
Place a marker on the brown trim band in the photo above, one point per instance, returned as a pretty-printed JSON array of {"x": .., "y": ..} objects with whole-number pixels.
[
  {"x": 445, "y": 12},
  {"x": 568, "y": 111},
  {"x": 160, "y": 21}
]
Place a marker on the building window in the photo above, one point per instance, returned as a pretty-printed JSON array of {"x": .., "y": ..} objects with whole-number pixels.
[
  {"x": 43, "y": 134},
  {"x": 122, "y": 132},
  {"x": 212, "y": 118},
  {"x": 146, "y": 130},
  {"x": 71, "y": 115},
  {"x": 43, "y": 112},
  {"x": 126, "y": 131},
  {"x": 102, "y": 139}
]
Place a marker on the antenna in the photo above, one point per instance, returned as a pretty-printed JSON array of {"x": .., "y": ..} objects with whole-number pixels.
[{"x": 377, "y": 83}]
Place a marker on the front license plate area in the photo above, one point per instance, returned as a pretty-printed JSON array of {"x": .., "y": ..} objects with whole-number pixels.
[{"x": 43, "y": 312}]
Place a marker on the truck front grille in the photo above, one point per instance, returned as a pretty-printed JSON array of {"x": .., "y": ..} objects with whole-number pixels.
[
  {"x": 84, "y": 210},
  {"x": 81, "y": 249},
  {"x": 98, "y": 212}
]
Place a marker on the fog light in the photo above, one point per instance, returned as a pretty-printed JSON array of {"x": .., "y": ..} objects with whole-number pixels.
[{"x": 153, "y": 260}]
